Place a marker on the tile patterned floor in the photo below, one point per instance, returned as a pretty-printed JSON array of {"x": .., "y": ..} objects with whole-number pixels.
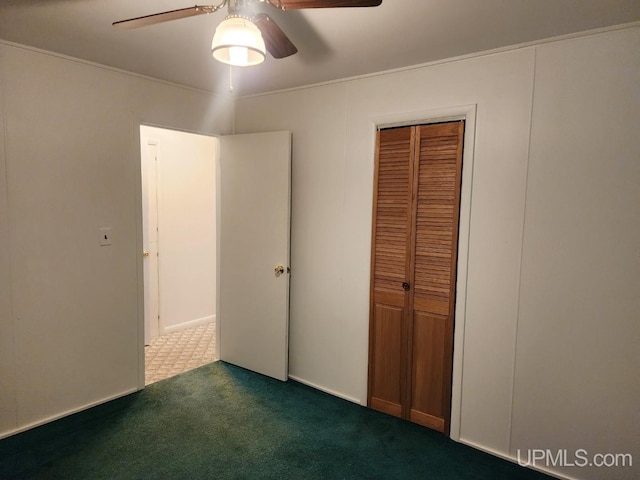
[{"x": 179, "y": 352}]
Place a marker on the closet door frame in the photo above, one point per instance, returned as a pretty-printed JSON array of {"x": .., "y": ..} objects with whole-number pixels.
[{"x": 468, "y": 114}]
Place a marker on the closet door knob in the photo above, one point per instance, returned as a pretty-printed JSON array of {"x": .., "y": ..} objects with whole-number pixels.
[{"x": 405, "y": 285}]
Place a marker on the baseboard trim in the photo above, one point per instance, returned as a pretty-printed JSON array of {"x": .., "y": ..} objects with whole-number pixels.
[
  {"x": 325, "y": 390},
  {"x": 53, "y": 418},
  {"x": 511, "y": 459},
  {"x": 190, "y": 324}
]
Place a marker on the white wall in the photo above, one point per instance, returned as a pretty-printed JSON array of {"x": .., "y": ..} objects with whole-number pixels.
[
  {"x": 331, "y": 225},
  {"x": 71, "y": 328},
  {"x": 548, "y": 280},
  {"x": 187, "y": 226},
  {"x": 577, "y": 381},
  {"x": 7, "y": 365}
]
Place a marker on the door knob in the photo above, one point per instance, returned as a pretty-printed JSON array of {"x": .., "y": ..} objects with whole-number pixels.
[
  {"x": 279, "y": 270},
  {"x": 145, "y": 253},
  {"x": 405, "y": 285}
]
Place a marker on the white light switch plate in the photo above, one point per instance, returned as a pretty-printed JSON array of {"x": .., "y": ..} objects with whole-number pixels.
[{"x": 105, "y": 236}]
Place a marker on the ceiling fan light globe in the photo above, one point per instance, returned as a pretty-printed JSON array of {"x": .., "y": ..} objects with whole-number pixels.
[
  {"x": 238, "y": 42},
  {"x": 239, "y": 55}
]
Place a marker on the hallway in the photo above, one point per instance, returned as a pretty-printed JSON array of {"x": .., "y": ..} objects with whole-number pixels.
[{"x": 179, "y": 352}]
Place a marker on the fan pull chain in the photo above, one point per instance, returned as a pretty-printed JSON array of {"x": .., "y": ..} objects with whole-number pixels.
[{"x": 230, "y": 79}]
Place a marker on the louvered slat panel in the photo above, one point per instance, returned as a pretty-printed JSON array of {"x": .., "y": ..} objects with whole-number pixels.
[
  {"x": 393, "y": 203},
  {"x": 435, "y": 228}
]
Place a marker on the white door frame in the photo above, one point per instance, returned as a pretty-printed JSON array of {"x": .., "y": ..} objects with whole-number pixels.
[{"x": 468, "y": 114}]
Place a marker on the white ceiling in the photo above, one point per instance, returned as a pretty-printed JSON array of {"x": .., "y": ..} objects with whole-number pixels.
[{"x": 332, "y": 43}]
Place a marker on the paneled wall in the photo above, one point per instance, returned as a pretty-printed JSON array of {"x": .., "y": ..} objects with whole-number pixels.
[
  {"x": 332, "y": 190},
  {"x": 576, "y": 382},
  {"x": 70, "y": 333},
  {"x": 548, "y": 350}
]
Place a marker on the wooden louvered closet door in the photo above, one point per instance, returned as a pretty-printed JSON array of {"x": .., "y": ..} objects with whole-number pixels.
[
  {"x": 390, "y": 269},
  {"x": 415, "y": 236}
]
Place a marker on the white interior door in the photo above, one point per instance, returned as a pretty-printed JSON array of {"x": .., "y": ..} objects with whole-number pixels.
[
  {"x": 254, "y": 217},
  {"x": 150, "y": 239}
]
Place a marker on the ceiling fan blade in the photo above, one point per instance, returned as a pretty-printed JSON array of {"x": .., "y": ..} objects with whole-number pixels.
[
  {"x": 165, "y": 16},
  {"x": 276, "y": 41},
  {"x": 298, "y": 4}
]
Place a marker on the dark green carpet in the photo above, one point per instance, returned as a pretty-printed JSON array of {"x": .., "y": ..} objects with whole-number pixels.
[{"x": 223, "y": 422}]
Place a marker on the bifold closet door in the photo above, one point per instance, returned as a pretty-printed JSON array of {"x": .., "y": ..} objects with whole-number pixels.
[
  {"x": 414, "y": 247},
  {"x": 390, "y": 270},
  {"x": 433, "y": 266}
]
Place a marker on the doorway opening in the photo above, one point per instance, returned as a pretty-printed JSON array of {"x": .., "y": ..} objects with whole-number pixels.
[{"x": 178, "y": 172}]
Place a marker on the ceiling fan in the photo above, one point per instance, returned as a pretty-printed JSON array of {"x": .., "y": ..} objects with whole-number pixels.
[{"x": 241, "y": 39}]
